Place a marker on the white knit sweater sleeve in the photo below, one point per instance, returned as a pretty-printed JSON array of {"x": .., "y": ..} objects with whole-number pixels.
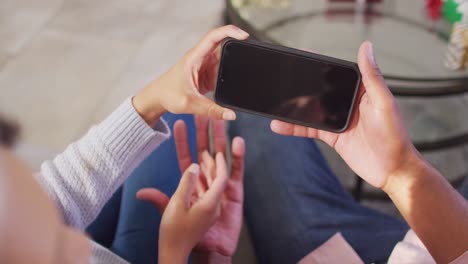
[{"x": 84, "y": 177}]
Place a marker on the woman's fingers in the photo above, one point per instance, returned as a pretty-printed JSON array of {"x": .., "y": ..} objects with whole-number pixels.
[
  {"x": 202, "y": 185},
  {"x": 182, "y": 145},
  {"x": 216, "y": 190},
  {"x": 187, "y": 185},
  {"x": 212, "y": 39},
  {"x": 217, "y": 54}
]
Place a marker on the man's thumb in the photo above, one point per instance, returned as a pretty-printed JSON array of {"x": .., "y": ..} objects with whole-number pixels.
[
  {"x": 154, "y": 196},
  {"x": 372, "y": 78}
]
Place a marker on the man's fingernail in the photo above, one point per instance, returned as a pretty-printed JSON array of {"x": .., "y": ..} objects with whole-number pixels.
[
  {"x": 228, "y": 115},
  {"x": 370, "y": 51},
  {"x": 243, "y": 32},
  {"x": 194, "y": 169}
]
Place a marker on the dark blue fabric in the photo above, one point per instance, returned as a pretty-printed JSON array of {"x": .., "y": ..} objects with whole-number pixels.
[
  {"x": 464, "y": 188},
  {"x": 293, "y": 201},
  {"x": 102, "y": 230}
]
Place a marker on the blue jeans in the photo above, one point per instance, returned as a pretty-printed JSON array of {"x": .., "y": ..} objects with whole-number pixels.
[{"x": 293, "y": 201}]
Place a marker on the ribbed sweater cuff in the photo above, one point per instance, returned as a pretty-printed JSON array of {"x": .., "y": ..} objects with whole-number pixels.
[
  {"x": 126, "y": 134},
  {"x": 102, "y": 255}
]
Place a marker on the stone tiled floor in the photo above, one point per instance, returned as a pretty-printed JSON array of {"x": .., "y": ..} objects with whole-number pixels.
[
  {"x": 76, "y": 60},
  {"x": 65, "y": 64}
]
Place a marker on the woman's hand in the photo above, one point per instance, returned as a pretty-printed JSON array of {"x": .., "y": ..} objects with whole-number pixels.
[
  {"x": 190, "y": 212},
  {"x": 376, "y": 145},
  {"x": 182, "y": 88},
  {"x": 220, "y": 242}
]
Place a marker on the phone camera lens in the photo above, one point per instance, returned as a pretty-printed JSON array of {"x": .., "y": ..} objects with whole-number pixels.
[{"x": 222, "y": 80}]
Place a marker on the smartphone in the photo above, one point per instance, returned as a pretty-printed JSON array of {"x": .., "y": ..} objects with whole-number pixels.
[{"x": 287, "y": 84}]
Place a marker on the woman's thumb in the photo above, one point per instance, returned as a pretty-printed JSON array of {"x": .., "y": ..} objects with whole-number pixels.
[{"x": 204, "y": 106}]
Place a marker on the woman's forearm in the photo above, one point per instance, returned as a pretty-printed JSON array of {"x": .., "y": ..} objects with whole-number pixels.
[
  {"x": 433, "y": 208},
  {"x": 168, "y": 257},
  {"x": 82, "y": 178}
]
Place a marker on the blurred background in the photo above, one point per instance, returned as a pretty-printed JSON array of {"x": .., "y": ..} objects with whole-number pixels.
[{"x": 66, "y": 64}]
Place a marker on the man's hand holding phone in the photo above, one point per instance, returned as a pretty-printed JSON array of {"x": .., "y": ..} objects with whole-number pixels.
[{"x": 376, "y": 145}]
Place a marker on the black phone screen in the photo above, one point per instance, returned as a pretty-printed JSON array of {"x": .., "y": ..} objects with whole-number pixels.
[{"x": 289, "y": 86}]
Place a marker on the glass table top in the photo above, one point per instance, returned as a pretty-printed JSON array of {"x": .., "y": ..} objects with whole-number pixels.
[{"x": 407, "y": 42}]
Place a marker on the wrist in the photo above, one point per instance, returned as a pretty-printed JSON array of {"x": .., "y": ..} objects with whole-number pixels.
[
  {"x": 410, "y": 174},
  {"x": 148, "y": 106},
  {"x": 171, "y": 256},
  {"x": 209, "y": 257}
]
